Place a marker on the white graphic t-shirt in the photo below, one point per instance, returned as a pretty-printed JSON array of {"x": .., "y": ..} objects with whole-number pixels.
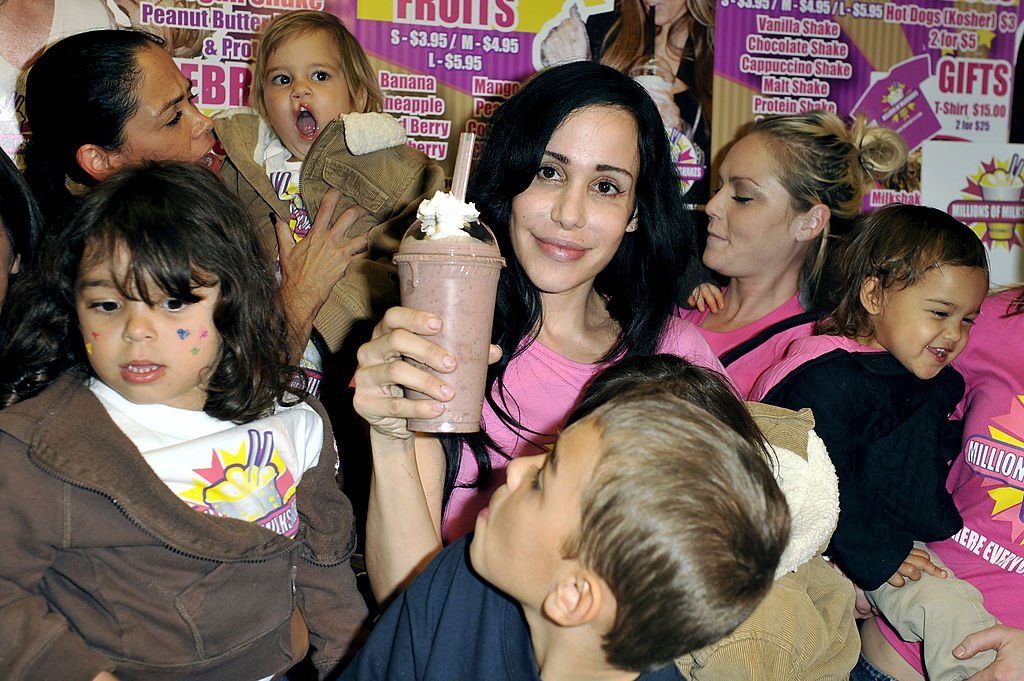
[{"x": 247, "y": 471}]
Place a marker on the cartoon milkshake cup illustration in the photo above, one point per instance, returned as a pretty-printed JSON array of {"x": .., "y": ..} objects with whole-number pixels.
[
  {"x": 1000, "y": 185},
  {"x": 448, "y": 264},
  {"x": 1004, "y": 186}
]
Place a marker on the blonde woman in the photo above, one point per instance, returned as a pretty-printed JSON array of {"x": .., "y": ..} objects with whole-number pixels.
[{"x": 787, "y": 186}]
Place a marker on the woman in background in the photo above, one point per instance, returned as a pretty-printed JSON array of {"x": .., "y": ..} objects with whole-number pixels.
[
  {"x": 683, "y": 48},
  {"x": 786, "y": 188},
  {"x": 576, "y": 183}
]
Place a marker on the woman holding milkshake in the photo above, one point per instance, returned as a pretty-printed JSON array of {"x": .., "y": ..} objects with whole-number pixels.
[{"x": 577, "y": 186}]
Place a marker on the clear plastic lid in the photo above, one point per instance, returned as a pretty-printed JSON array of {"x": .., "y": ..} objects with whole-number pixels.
[
  {"x": 445, "y": 221},
  {"x": 426, "y": 230}
]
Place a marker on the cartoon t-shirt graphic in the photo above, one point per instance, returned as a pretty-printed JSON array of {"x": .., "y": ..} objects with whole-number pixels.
[
  {"x": 987, "y": 478},
  {"x": 248, "y": 472},
  {"x": 252, "y": 484}
]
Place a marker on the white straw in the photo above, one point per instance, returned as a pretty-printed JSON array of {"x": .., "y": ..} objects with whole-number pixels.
[{"x": 460, "y": 177}]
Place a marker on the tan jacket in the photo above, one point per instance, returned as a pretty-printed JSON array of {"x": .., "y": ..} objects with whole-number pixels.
[
  {"x": 388, "y": 182},
  {"x": 804, "y": 629}
]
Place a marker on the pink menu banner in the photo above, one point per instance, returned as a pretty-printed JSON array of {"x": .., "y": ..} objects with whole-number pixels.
[
  {"x": 930, "y": 69},
  {"x": 443, "y": 65}
]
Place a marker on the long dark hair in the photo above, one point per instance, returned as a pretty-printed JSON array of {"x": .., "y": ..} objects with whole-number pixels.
[
  {"x": 181, "y": 229},
  {"x": 639, "y": 283},
  {"x": 703, "y": 387},
  {"x": 20, "y": 222},
  {"x": 19, "y": 212},
  {"x": 81, "y": 90}
]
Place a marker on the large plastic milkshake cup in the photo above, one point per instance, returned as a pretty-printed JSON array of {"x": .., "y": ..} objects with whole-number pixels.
[
  {"x": 448, "y": 264},
  {"x": 654, "y": 76}
]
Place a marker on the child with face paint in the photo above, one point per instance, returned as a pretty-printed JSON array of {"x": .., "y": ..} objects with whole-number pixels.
[
  {"x": 171, "y": 499},
  {"x": 318, "y": 125}
]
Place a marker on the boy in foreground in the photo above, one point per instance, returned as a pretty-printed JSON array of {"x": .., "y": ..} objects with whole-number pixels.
[{"x": 649, "y": 531}]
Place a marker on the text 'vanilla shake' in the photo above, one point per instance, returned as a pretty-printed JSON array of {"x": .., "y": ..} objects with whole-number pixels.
[{"x": 448, "y": 264}]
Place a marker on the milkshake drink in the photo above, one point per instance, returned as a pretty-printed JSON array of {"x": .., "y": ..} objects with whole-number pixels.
[
  {"x": 448, "y": 264},
  {"x": 654, "y": 77}
]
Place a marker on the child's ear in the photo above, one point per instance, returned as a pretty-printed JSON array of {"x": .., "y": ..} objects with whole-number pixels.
[
  {"x": 97, "y": 162},
  {"x": 871, "y": 295},
  {"x": 15, "y": 264},
  {"x": 577, "y": 599},
  {"x": 813, "y": 222},
  {"x": 361, "y": 99}
]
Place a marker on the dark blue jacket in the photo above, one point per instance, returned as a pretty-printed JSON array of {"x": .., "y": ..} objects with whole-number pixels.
[
  {"x": 889, "y": 435},
  {"x": 450, "y": 625}
]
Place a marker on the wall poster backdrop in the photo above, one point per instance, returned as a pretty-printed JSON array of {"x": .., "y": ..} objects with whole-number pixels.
[{"x": 935, "y": 70}]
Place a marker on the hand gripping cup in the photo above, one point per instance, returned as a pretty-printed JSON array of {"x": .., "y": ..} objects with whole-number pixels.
[
  {"x": 448, "y": 264},
  {"x": 654, "y": 77}
]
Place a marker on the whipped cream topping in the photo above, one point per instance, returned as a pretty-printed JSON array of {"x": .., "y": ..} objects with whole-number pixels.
[
  {"x": 443, "y": 215},
  {"x": 1001, "y": 178}
]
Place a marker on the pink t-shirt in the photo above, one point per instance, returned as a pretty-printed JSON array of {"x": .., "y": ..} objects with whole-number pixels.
[
  {"x": 801, "y": 352},
  {"x": 545, "y": 387},
  {"x": 745, "y": 371},
  {"x": 987, "y": 479}
]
